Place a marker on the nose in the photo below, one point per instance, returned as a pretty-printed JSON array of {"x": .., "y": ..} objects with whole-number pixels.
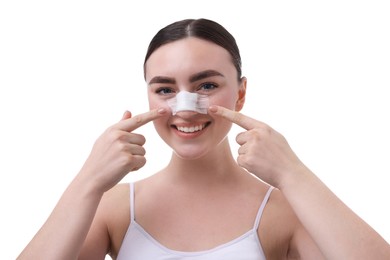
[{"x": 186, "y": 114}]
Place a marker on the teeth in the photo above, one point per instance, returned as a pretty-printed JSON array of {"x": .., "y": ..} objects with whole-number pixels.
[{"x": 191, "y": 129}]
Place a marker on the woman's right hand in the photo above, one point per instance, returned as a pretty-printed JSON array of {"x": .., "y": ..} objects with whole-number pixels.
[{"x": 118, "y": 151}]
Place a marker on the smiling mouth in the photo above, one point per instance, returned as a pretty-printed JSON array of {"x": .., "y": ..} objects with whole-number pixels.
[{"x": 191, "y": 129}]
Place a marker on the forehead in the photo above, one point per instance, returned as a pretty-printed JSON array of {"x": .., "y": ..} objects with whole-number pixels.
[{"x": 188, "y": 56}]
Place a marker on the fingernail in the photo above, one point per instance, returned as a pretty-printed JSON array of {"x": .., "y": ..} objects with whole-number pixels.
[
  {"x": 162, "y": 111},
  {"x": 126, "y": 113},
  {"x": 213, "y": 109}
]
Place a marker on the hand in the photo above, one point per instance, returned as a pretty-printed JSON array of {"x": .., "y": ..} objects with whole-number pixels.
[
  {"x": 118, "y": 151},
  {"x": 263, "y": 151}
]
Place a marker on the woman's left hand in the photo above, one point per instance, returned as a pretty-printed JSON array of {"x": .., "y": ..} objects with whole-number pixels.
[{"x": 263, "y": 151}]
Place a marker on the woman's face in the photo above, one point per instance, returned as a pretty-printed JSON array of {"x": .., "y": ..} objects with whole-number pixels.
[{"x": 198, "y": 66}]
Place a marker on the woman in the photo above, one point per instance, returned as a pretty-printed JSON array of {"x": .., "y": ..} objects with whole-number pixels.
[{"x": 204, "y": 204}]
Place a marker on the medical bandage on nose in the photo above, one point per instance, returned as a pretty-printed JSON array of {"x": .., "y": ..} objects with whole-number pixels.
[{"x": 186, "y": 101}]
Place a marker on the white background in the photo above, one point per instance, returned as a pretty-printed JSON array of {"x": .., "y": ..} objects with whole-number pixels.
[{"x": 318, "y": 72}]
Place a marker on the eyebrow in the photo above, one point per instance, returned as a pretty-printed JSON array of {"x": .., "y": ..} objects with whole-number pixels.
[
  {"x": 205, "y": 74},
  {"x": 161, "y": 79},
  {"x": 195, "y": 77}
]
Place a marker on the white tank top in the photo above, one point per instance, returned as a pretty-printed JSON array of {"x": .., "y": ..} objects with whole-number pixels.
[{"x": 140, "y": 245}]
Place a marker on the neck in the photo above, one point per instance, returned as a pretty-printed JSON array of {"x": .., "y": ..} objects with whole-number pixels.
[{"x": 215, "y": 167}]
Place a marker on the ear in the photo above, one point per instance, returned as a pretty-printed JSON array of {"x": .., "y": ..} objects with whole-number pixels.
[{"x": 241, "y": 94}]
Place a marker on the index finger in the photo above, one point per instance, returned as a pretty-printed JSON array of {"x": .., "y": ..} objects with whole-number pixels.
[
  {"x": 137, "y": 121},
  {"x": 242, "y": 120}
]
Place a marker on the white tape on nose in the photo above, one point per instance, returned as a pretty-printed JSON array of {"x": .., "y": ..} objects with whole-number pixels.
[{"x": 186, "y": 101}]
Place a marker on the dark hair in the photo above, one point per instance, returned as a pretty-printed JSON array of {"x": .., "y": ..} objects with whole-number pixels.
[{"x": 201, "y": 28}]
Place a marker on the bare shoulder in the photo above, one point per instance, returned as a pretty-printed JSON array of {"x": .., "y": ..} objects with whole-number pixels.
[
  {"x": 116, "y": 204},
  {"x": 282, "y": 234},
  {"x": 120, "y": 193},
  {"x": 113, "y": 214},
  {"x": 109, "y": 225},
  {"x": 277, "y": 226}
]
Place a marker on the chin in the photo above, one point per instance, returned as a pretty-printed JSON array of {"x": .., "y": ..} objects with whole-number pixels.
[{"x": 190, "y": 153}]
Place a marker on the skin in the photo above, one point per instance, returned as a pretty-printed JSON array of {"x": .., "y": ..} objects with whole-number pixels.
[{"x": 303, "y": 219}]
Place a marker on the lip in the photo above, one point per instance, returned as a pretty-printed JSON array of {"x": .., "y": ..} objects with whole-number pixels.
[{"x": 188, "y": 130}]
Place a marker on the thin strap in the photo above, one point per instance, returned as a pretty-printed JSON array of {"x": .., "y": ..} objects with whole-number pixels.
[
  {"x": 262, "y": 206},
  {"x": 132, "y": 216}
]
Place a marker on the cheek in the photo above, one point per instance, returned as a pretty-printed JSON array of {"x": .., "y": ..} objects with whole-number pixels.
[
  {"x": 225, "y": 99},
  {"x": 156, "y": 102}
]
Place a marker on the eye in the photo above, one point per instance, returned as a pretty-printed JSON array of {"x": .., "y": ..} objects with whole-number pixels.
[
  {"x": 164, "y": 91},
  {"x": 207, "y": 86}
]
